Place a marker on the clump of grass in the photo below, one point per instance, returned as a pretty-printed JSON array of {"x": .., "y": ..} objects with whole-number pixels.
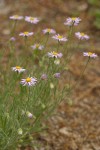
[{"x": 31, "y": 84}]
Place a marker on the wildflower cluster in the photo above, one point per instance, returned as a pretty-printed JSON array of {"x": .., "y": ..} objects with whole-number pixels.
[{"x": 31, "y": 94}]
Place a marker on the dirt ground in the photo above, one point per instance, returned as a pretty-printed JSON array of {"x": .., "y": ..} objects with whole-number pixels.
[{"x": 75, "y": 127}]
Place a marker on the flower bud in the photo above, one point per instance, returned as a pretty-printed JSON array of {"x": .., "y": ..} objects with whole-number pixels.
[
  {"x": 20, "y": 131},
  {"x": 29, "y": 115},
  {"x": 12, "y": 39},
  {"x": 51, "y": 85},
  {"x": 57, "y": 75},
  {"x": 44, "y": 77},
  {"x": 57, "y": 62}
]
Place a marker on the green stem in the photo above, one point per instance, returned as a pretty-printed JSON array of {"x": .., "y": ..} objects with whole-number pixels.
[
  {"x": 70, "y": 32},
  {"x": 28, "y": 94},
  {"x": 46, "y": 41},
  {"x": 25, "y": 39},
  {"x": 14, "y": 27},
  {"x": 82, "y": 73},
  {"x": 73, "y": 52},
  {"x": 69, "y": 37},
  {"x": 58, "y": 45}
]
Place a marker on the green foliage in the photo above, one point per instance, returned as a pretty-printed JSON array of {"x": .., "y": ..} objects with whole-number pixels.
[
  {"x": 94, "y": 2},
  {"x": 95, "y": 12},
  {"x": 97, "y": 20},
  {"x": 97, "y": 23}
]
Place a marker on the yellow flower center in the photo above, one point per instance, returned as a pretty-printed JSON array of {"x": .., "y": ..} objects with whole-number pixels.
[
  {"x": 73, "y": 18},
  {"x": 59, "y": 36},
  {"x": 28, "y": 79},
  {"x": 37, "y": 45},
  {"x": 82, "y": 34},
  {"x": 31, "y": 18},
  {"x": 18, "y": 67},
  {"x": 26, "y": 33},
  {"x": 48, "y": 30},
  {"x": 16, "y": 16},
  {"x": 89, "y": 53},
  {"x": 55, "y": 53}
]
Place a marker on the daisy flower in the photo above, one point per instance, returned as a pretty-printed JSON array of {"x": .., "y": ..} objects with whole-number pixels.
[
  {"x": 59, "y": 38},
  {"x": 16, "y": 17},
  {"x": 49, "y": 31},
  {"x": 26, "y": 34},
  {"x": 72, "y": 21},
  {"x": 29, "y": 81},
  {"x": 18, "y": 69},
  {"x": 55, "y": 54},
  {"x": 37, "y": 46},
  {"x": 81, "y": 36},
  {"x": 90, "y": 54},
  {"x": 33, "y": 20}
]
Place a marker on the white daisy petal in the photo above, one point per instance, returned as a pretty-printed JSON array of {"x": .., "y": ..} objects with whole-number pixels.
[
  {"x": 32, "y": 20},
  {"x": 54, "y": 54},
  {"x": 49, "y": 31},
  {"x": 60, "y": 38},
  {"x": 26, "y": 34},
  {"x": 81, "y": 36},
  {"x": 72, "y": 21},
  {"x": 18, "y": 69}
]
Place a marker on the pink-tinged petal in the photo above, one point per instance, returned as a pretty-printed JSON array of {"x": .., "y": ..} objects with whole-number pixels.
[
  {"x": 90, "y": 54},
  {"x": 60, "y": 55}
]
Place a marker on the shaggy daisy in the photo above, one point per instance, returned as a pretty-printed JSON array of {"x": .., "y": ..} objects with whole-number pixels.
[
  {"x": 81, "y": 36},
  {"x": 18, "y": 69},
  {"x": 90, "y": 54},
  {"x": 26, "y": 34},
  {"x": 49, "y": 31},
  {"x": 72, "y": 21},
  {"x": 59, "y": 38},
  {"x": 37, "y": 46},
  {"x": 29, "y": 81},
  {"x": 55, "y": 54},
  {"x": 16, "y": 17},
  {"x": 33, "y": 20}
]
